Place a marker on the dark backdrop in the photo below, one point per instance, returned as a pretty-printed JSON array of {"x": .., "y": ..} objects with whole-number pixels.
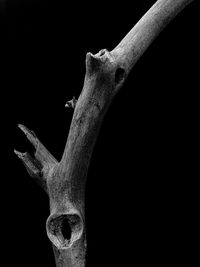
[{"x": 139, "y": 190}]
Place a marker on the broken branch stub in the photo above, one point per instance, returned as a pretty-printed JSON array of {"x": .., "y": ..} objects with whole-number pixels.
[
  {"x": 65, "y": 181},
  {"x": 40, "y": 166}
]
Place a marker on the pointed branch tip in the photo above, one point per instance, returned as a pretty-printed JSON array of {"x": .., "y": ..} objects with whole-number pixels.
[
  {"x": 41, "y": 154},
  {"x": 19, "y": 154},
  {"x": 30, "y": 135}
]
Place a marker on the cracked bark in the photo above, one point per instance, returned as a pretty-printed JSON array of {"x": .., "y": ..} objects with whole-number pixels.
[{"x": 64, "y": 181}]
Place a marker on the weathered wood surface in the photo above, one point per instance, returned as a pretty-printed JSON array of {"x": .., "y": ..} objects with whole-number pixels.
[{"x": 64, "y": 181}]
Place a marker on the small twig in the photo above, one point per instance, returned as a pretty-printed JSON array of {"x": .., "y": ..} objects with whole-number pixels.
[{"x": 71, "y": 103}]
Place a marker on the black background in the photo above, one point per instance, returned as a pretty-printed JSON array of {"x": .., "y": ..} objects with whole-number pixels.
[{"x": 139, "y": 190}]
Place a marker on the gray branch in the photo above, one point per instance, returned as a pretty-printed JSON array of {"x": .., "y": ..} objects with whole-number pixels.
[{"x": 65, "y": 181}]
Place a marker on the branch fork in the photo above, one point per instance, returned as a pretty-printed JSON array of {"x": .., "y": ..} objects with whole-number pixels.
[{"x": 40, "y": 166}]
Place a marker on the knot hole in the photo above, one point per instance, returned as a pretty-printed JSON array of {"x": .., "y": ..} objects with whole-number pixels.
[{"x": 65, "y": 229}]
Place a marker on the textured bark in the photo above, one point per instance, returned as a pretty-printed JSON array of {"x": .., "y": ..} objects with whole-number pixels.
[{"x": 65, "y": 181}]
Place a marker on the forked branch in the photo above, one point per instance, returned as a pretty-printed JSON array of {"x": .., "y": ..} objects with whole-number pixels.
[{"x": 65, "y": 181}]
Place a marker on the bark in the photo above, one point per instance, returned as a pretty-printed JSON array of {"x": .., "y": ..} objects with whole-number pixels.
[{"x": 64, "y": 181}]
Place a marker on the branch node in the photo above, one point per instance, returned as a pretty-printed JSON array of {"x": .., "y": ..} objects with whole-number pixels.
[{"x": 95, "y": 62}]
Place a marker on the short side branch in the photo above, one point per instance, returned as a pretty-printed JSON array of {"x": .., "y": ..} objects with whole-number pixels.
[{"x": 40, "y": 166}]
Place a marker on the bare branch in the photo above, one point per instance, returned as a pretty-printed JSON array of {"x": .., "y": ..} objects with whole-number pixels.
[
  {"x": 41, "y": 154},
  {"x": 134, "y": 44},
  {"x": 42, "y": 164},
  {"x": 105, "y": 74},
  {"x": 33, "y": 167}
]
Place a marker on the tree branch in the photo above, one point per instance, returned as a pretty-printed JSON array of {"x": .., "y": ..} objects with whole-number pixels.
[
  {"x": 105, "y": 74},
  {"x": 42, "y": 164},
  {"x": 134, "y": 44}
]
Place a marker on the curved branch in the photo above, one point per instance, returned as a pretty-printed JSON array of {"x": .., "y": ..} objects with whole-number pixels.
[
  {"x": 105, "y": 74},
  {"x": 134, "y": 44}
]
